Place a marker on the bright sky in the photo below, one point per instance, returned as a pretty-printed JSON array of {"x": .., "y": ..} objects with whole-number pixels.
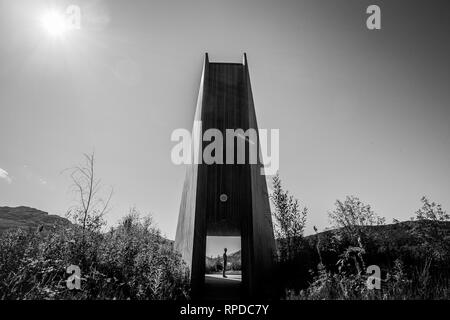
[{"x": 360, "y": 112}]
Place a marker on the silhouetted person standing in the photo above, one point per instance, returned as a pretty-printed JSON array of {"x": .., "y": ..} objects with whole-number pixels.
[{"x": 224, "y": 262}]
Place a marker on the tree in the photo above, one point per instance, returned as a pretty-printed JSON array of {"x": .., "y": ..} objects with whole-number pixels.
[
  {"x": 351, "y": 218},
  {"x": 289, "y": 220},
  {"x": 431, "y": 230},
  {"x": 91, "y": 205},
  {"x": 431, "y": 211},
  {"x": 352, "y": 214}
]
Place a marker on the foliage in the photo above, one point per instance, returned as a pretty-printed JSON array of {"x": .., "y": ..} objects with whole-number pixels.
[
  {"x": 413, "y": 256},
  {"x": 289, "y": 220},
  {"x": 352, "y": 214},
  {"x": 131, "y": 261},
  {"x": 90, "y": 206},
  {"x": 397, "y": 285},
  {"x": 435, "y": 242}
]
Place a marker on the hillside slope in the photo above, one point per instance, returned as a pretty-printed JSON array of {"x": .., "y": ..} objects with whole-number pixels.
[
  {"x": 25, "y": 218},
  {"x": 408, "y": 241}
]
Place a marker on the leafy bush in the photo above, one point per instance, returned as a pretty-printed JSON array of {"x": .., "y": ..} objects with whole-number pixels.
[
  {"x": 131, "y": 261},
  {"x": 397, "y": 285},
  {"x": 413, "y": 256}
]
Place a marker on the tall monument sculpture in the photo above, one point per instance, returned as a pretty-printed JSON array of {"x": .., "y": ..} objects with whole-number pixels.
[{"x": 227, "y": 199}]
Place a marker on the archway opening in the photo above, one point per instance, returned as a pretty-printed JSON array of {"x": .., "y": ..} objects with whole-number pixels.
[{"x": 223, "y": 267}]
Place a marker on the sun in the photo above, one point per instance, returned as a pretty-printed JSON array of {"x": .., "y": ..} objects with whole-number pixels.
[{"x": 54, "y": 23}]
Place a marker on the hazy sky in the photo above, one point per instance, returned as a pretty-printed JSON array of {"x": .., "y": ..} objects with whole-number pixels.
[{"x": 360, "y": 112}]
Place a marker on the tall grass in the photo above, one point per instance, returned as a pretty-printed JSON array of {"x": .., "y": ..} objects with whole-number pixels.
[
  {"x": 397, "y": 285},
  {"x": 131, "y": 261}
]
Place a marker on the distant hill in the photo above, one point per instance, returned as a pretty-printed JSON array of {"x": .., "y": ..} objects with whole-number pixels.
[
  {"x": 233, "y": 260},
  {"x": 396, "y": 233},
  {"x": 383, "y": 245},
  {"x": 26, "y": 218},
  {"x": 231, "y": 257}
]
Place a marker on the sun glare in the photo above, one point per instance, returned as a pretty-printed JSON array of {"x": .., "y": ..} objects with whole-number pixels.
[{"x": 54, "y": 23}]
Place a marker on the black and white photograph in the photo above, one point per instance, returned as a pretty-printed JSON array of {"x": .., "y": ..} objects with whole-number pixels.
[{"x": 220, "y": 158}]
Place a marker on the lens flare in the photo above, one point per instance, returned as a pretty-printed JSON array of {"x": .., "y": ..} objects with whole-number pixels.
[{"x": 54, "y": 23}]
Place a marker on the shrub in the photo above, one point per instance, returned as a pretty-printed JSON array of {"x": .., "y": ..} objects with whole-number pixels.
[{"x": 131, "y": 261}]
